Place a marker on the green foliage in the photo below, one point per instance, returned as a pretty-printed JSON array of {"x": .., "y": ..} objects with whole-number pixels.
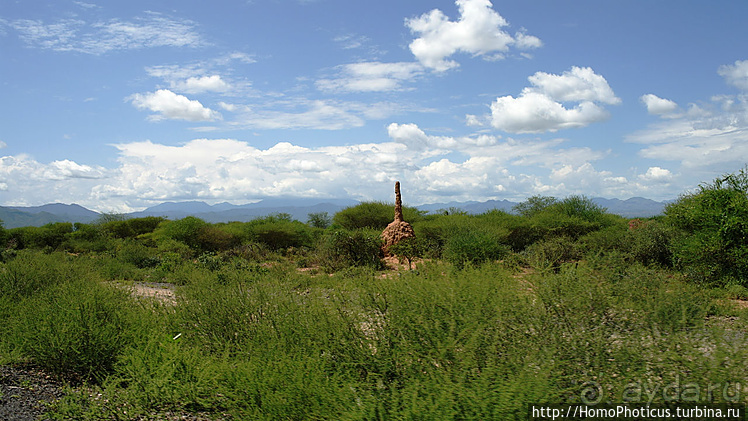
[
  {"x": 49, "y": 236},
  {"x": 137, "y": 254},
  {"x": 280, "y": 233},
  {"x": 408, "y": 249},
  {"x": 473, "y": 247},
  {"x": 550, "y": 254},
  {"x": 75, "y": 328},
  {"x": 533, "y": 205},
  {"x": 341, "y": 249},
  {"x": 130, "y": 228},
  {"x": 186, "y": 230},
  {"x": 319, "y": 220},
  {"x": 373, "y": 215},
  {"x": 714, "y": 220},
  {"x": 579, "y": 207}
]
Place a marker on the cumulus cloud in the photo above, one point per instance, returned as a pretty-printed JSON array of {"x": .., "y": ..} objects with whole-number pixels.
[
  {"x": 540, "y": 108},
  {"x": 169, "y": 105},
  {"x": 658, "y": 106},
  {"x": 657, "y": 174},
  {"x": 735, "y": 74},
  {"x": 77, "y": 35},
  {"x": 436, "y": 168},
  {"x": 371, "y": 77},
  {"x": 26, "y": 181},
  {"x": 478, "y": 31},
  {"x": 577, "y": 84}
]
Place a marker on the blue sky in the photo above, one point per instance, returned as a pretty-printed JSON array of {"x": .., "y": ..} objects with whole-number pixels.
[{"x": 122, "y": 105}]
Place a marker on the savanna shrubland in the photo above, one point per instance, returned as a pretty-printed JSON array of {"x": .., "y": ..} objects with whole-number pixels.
[{"x": 500, "y": 310}]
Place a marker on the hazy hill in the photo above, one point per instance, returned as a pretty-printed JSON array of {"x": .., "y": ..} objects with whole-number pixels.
[{"x": 13, "y": 217}]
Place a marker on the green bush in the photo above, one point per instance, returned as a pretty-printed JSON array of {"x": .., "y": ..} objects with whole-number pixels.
[
  {"x": 31, "y": 272},
  {"x": 373, "y": 215},
  {"x": 137, "y": 254},
  {"x": 76, "y": 328},
  {"x": 714, "y": 220},
  {"x": 551, "y": 253},
  {"x": 473, "y": 247},
  {"x": 651, "y": 242},
  {"x": 130, "y": 228},
  {"x": 533, "y": 205},
  {"x": 341, "y": 249},
  {"x": 280, "y": 233},
  {"x": 48, "y": 237},
  {"x": 186, "y": 230}
]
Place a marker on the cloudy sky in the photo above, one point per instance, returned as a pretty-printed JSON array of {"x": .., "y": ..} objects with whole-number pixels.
[{"x": 120, "y": 105}]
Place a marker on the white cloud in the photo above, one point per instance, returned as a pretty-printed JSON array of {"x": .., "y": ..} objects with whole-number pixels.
[
  {"x": 152, "y": 30},
  {"x": 657, "y": 174},
  {"x": 658, "y": 106},
  {"x": 169, "y": 105},
  {"x": 66, "y": 168},
  {"x": 195, "y": 85},
  {"x": 540, "y": 109},
  {"x": 577, "y": 84},
  {"x": 26, "y": 181},
  {"x": 371, "y": 77},
  {"x": 708, "y": 138},
  {"x": 301, "y": 114},
  {"x": 735, "y": 74},
  {"x": 478, "y": 32},
  {"x": 3, "y": 144},
  {"x": 534, "y": 112}
]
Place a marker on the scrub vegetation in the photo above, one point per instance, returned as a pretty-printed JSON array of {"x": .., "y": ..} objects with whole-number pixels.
[{"x": 558, "y": 302}]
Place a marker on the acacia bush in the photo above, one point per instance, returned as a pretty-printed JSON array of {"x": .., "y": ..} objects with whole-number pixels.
[
  {"x": 473, "y": 247},
  {"x": 339, "y": 249},
  {"x": 279, "y": 232},
  {"x": 373, "y": 215},
  {"x": 714, "y": 222}
]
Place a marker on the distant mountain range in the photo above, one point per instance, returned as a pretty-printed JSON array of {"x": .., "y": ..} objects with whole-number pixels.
[{"x": 299, "y": 209}]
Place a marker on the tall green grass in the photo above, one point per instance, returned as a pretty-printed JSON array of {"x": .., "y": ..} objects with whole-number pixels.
[{"x": 438, "y": 342}]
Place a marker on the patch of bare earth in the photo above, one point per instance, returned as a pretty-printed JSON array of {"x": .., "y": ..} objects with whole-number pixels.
[{"x": 161, "y": 291}]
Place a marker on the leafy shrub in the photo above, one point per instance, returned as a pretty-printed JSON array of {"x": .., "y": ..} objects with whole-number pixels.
[
  {"x": 551, "y": 253},
  {"x": 340, "y": 249},
  {"x": 280, "y": 233},
  {"x": 49, "y": 236},
  {"x": 215, "y": 238},
  {"x": 651, "y": 242},
  {"x": 714, "y": 247},
  {"x": 138, "y": 255},
  {"x": 186, "y": 230},
  {"x": 580, "y": 207},
  {"x": 533, "y": 205},
  {"x": 130, "y": 228},
  {"x": 373, "y": 215},
  {"x": 474, "y": 247},
  {"x": 408, "y": 249},
  {"x": 31, "y": 272},
  {"x": 76, "y": 328},
  {"x": 319, "y": 220}
]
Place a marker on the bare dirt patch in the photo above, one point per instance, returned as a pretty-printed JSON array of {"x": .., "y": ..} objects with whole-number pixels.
[{"x": 161, "y": 291}]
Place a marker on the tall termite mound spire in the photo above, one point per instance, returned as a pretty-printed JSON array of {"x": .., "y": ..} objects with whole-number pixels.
[
  {"x": 397, "y": 230},
  {"x": 398, "y": 203}
]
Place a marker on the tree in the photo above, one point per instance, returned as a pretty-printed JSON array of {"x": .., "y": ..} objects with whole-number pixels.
[
  {"x": 533, "y": 205},
  {"x": 319, "y": 219},
  {"x": 409, "y": 249}
]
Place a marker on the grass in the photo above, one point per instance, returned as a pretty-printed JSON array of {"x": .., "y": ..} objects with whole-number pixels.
[{"x": 268, "y": 342}]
